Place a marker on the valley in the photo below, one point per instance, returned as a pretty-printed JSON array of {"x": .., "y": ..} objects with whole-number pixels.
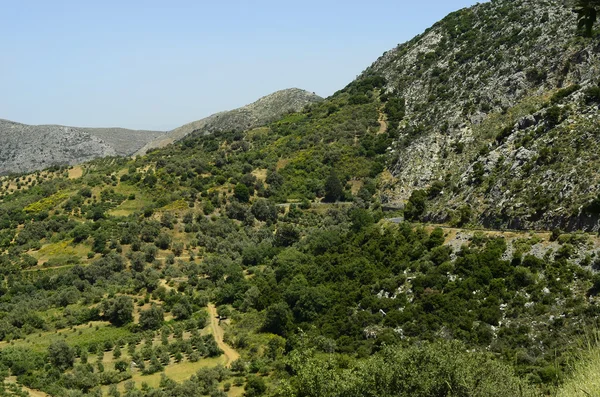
[{"x": 431, "y": 229}]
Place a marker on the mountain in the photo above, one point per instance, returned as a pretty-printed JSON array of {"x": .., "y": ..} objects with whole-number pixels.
[
  {"x": 284, "y": 238},
  {"x": 499, "y": 117},
  {"x": 263, "y": 111},
  {"x": 27, "y": 148}
]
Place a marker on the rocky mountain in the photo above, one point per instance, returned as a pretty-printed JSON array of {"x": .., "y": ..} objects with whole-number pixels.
[
  {"x": 25, "y": 148},
  {"x": 261, "y": 112},
  {"x": 124, "y": 141},
  {"x": 500, "y": 117}
]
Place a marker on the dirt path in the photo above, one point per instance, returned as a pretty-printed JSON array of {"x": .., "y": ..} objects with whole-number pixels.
[
  {"x": 383, "y": 126},
  {"x": 230, "y": 354}
]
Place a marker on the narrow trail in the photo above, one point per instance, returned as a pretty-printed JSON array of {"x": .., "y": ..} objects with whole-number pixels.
[
  {"x": 383, "y": 126},
  {"x": 230, "y": 354}
]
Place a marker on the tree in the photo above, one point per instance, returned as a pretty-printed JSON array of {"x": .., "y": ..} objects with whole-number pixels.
[
  {"x": 121, "y": 366},
  {"x": 255, "y": 386},
  {"x": 242, "y": 193},
  {"x": 286, "y": 235},
  {"x": 208, "y": 207},
  {"x": 182, "y": 309},
  {"x": 416, "y": 205},
  {"x": 278, "y": 319},
  {"x": 264, "y": 210},
  {"x": 360, "y": 219},
  {"x": 61, "y": 355},
  {"x": 152, "y": 318},
  {"x": 163, "y": 241},
  {"x": 333, "y": 188},
  {"x": 80, "y": 233},
  {"x": 587, "y": 13},
  {"x": 117, "y": 352},
  {"x": 118, "y": 311}
]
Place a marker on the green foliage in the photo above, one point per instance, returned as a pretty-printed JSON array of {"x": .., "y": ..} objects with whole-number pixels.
[
  {"x": 61, "y": 355},
  {"x": 152, "y": 318},
  {"x": 333, "y": 188},
  {"x": 415, "y": 207},
  {"x": 286, "y": 235},
  {"x": 563, "y": 93},
  {"x": 553, "y": 115},
  {"x": 278, "y": 319},
  {"x": 438, "y": 369},
  {"x": 242, "y": 193},
  {"x": 395, "y": 110},
  {"x": 118, "y": 311},
  {"x": 255, "y": 386},
  {"x": 587, "y": 12},
  {"x": 592, "y": 95}
]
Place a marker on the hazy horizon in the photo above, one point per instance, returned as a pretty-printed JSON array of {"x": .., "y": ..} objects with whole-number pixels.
[{"x": 149, "y": 66}]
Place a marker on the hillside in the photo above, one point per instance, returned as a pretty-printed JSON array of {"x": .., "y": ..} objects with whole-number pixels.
[
  {"x": 261, "y": 112},
  {"x": 497, "y": 98},
  {"x": 291, "y": 257},
  {"x": 125, "y": 142},
  {"x": 26, "y": 148}
]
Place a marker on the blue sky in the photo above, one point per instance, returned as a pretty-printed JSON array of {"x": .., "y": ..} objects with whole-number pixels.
[{"x": 159, "y": 64}]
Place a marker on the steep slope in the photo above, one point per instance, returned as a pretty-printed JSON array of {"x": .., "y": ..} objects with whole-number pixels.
[
  {"x": 484, "y": 122},
  {"x": 263, "y": 111},
  {"x": 25, "y": 148}
]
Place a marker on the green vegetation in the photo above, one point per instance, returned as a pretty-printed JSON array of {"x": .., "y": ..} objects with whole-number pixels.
[
  {"x": 313, "y": 290},
  {"x": 106, "y": 277},
  {"x": 584, "y": 380}
]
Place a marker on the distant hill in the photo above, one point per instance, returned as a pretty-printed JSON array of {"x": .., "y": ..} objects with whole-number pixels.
[
  {"x": 25, "y": 148},
  {"x": 261, "y": 112}
]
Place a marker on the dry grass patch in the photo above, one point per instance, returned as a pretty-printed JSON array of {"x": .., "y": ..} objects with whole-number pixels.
[
  {"x": 260, "y": 174},
  {"x": 282, "y": 163},
  {"x": 76, "y": 172}
]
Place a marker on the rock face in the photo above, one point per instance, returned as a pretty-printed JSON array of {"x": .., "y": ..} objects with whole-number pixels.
[
  {"x": 124, "y": 141},
  {"x": 261, "y": 112},
  {"x": 25, "y": 148},
  {"x": 499, "y": 111}
]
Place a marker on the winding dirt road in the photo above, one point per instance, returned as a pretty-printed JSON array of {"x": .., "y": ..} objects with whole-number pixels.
[{"x": 230, "y": 354}]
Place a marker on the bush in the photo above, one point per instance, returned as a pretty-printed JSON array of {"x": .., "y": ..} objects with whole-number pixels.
[
  {"x": 592, "y": 95},
  {"x": 432, "y": 369},
  {"x": 255, "y": 386},
  {"x": 242, "y": 193}
]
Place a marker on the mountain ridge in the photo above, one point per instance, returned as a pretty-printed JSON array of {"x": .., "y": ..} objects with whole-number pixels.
[
  {"x": 259, "y": 112},
  {"x": 27, "y": 148}
]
